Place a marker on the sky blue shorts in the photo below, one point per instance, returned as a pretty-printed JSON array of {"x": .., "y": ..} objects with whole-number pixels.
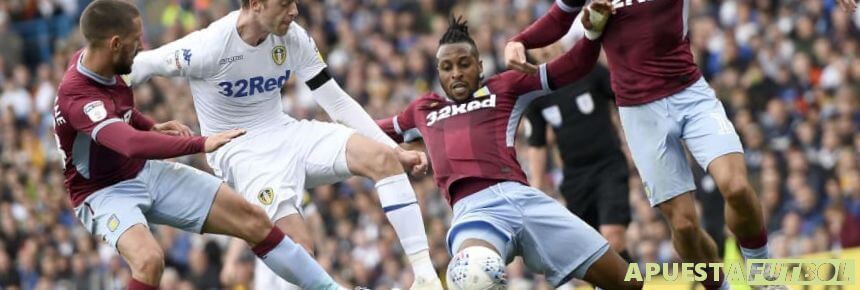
[
  {"x": 165, "y": 193},
  {"x": 655, "y": 130},
  {"x": 519, "y": 220}
]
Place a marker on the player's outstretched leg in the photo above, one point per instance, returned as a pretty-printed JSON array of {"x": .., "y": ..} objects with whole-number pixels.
[
  {"x": 376, "y": 161},
  {"x": 689, "y": 238},
  {"x": 743, "y": 211},
  {"x": 144, "y": 257},
  {"x": 233, "y": 215},
  {"x": 608, "y": 273}
]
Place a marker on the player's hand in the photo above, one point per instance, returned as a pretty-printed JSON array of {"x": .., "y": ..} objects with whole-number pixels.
[
  {"x": 595, "y": 16},
  {"x": 216, "y": 141},
  {"x": 415, "y": 161},
  {"x": 172, "y": 128},
  {"x": 848, "y": 5},
  {"x": 515, "y": 58}
]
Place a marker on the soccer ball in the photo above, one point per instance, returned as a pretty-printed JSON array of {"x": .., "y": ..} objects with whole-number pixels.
[{"x": 476, "y": 268}]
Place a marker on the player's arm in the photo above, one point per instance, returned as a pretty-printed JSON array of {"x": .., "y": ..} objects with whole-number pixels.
[
  {"x": 93, "y": 117},
  {"x": 401, "y": 127},
  {"x": 140, "y": 121},
  {"x": 572, "y": 65},
  {"x": 341, "y": 107},
  {"x": 562, "y": 70},
  {"x": 536, "y": 139},
  {"x": 344, "y": 109},
  {"x": 178, "y": 58},
  {"x": 550, "y": 27}
]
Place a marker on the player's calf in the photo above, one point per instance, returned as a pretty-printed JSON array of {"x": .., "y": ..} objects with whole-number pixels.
[{"x": 233, "y": 215}]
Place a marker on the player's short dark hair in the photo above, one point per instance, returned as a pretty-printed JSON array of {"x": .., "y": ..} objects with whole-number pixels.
[
  {"x": 103, "y": 19},
  {"x": 458, "y": 31}
]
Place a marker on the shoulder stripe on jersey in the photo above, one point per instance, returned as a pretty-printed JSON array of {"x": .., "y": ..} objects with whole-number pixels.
[
  {"x": 101, "y": 126},
  {"x": 81, "y": 154},
  {"x": 396, "y": 125},
  {"x": 520, "y": 106},
  {"x": 567, "y": 8},
  {"x": 685, "y": 17},
  {"x": 544, "y": 78},
  {"x": 411, "y": 135}
]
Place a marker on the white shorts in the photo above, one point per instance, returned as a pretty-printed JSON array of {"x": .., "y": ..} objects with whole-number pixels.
[
  {"x": 272, "y": 167},
  {"x": 655, "y": 130}
]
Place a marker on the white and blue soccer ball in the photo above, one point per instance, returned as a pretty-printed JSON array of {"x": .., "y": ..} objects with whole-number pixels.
[{"x": 476, "y": 268}]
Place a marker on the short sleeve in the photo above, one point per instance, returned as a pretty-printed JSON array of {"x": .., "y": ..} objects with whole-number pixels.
[
  {"x": 305, "y": 55},
  {"x": 185, "y": 57}
]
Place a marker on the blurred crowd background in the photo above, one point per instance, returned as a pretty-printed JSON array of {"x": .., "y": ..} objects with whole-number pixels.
[{"x": 788, "y": 72}]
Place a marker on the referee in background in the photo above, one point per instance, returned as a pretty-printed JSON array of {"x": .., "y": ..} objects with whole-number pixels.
[{"x": 596, "y": 176}]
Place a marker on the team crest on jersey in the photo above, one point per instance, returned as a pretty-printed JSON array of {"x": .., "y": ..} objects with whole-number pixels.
[
  {"x": 279, "y": 54},
  {"x": 113, "y": 223},
  {"x": 95, "y": 110},
  {"x": 482, "y": 92},
  {"x": 585, "y": 103},
  {"x": 266, "y": 196}
]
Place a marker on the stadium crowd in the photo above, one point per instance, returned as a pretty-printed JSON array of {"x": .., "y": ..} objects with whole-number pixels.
[{"x": 788, "y": 72}]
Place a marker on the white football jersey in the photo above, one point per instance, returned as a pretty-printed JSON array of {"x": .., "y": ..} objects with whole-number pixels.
[{"x": 234, "y": 84}]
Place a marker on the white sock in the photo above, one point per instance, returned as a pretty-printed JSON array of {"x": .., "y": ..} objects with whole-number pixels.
[{"x": 398, "y": 201}]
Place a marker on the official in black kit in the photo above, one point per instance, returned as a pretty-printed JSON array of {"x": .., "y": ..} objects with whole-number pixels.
[{"x": 595, "y": 185}]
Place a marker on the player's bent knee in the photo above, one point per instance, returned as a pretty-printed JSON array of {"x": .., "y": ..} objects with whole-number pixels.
[
  {"x": 735, "y": 190},
  {"x": 147, "y": 261},
  {"x": 685, "y": 225},
  {"x": 475, "y": 268}
]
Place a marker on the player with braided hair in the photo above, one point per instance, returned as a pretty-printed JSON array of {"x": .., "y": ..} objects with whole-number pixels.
[{"x": 469, "y": 132}]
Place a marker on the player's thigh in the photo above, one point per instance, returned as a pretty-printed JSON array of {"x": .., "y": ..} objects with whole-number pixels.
[
  {"x": 182, "y": 196},
  {"x": 554, "y": 241},
  {"x": 326, "y": 160},
  {"x": 708, "y": 132},
  {"x": 488, "y": 217},
  {"x": 110, "y": 212},
  {"x": 653, "y": 137},
  {"x": 232, "y": 215}
]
